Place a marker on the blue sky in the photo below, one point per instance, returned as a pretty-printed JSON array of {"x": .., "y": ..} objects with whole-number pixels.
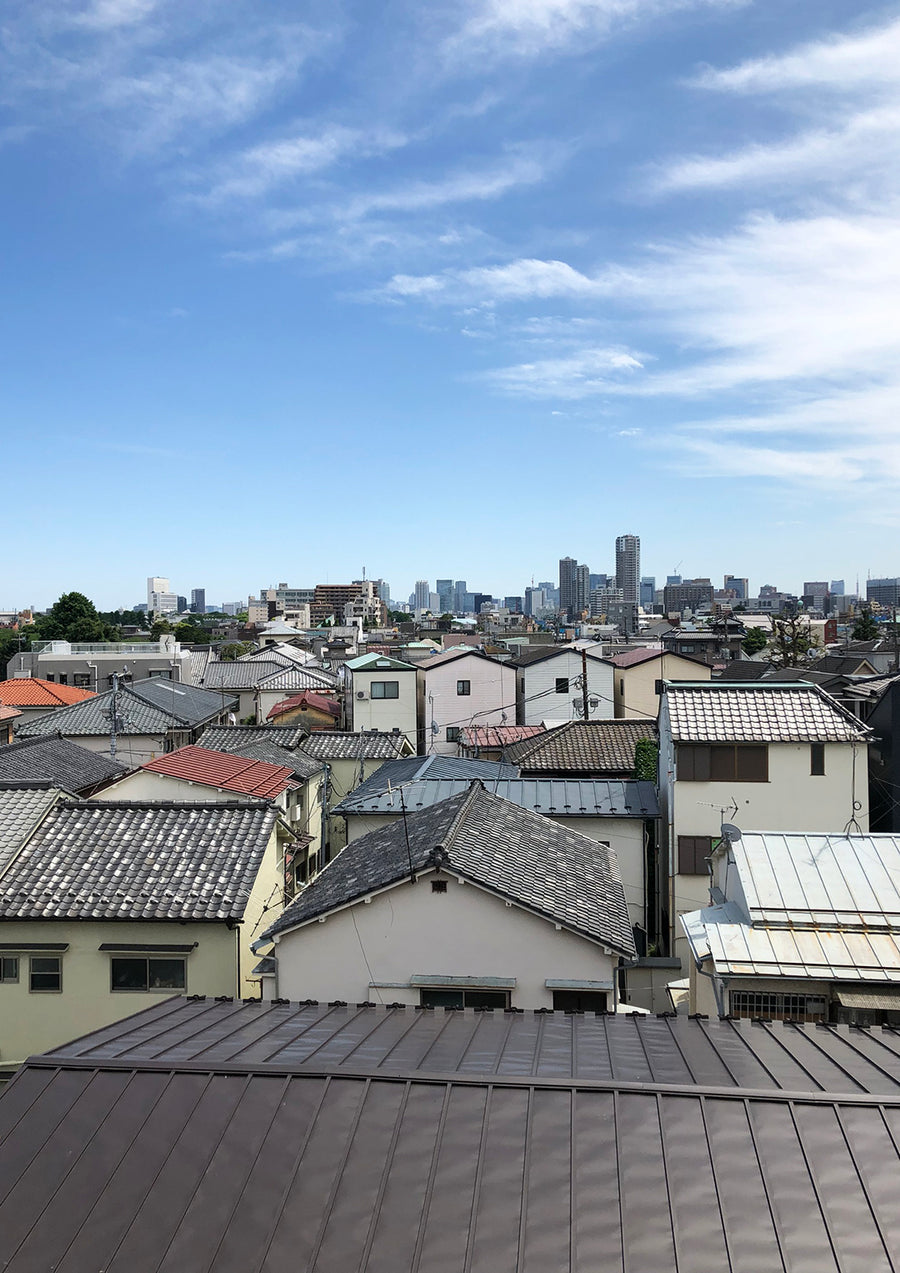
[{"x": 450, "y": 289}]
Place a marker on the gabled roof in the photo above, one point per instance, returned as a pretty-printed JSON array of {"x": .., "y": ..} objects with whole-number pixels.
[
  {"x": 9, "y": 713},
  {"x": 744, "y": 670},
  {"x": 551, "y": 797},
  {"x": 241, "y": 674},
  {"x": 584, "y": 747},
  {"x": 497, "y": 735},
  {"x": 309, "y": 701},
  {"x": 300, "y": 678},
  {"x": 544, "y": 867},
  {"x": 633, "y": 658},
  {"x": 413, "y": 769},
  {"x": 31, "y": 691},
  {"x": 275, "y": 743},
  {"x": 540, "y": 653},
  {"x": 142, "y": 709},
  {"x": 141, "y": 861},
  {"x": 761, "y": 711},
  {"x": 370, "y": 744},
  {"x": 281, "y": 652},
  {"x": 461, "y": 652},
  {"x": 222, "y": 769},
  {"x": 21, "y": 810},
  {"x": 378, "y": 662},
  {"x": 57, "y": 760}
]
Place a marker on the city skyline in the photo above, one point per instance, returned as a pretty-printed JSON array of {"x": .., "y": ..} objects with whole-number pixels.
[{"x": 451, "y": 262}]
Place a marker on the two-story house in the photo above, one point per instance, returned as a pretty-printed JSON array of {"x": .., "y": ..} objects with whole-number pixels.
[
  {"x": 459, "y": 688},
  {"x": 638, "y": 674},
  {"x": 381, "y": 694},
  {"x": 554, "y": 682},
  {"x": 769, "y": 756}
]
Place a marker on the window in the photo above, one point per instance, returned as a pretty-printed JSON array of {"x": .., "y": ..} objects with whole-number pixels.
[
  {"x": 693, "y": 850},
  {"x": 562, "y": 685},
  {"x": 63, "y": 678},
  {"x": 453, "y": 733},
  {"x": 82, "y": 680},
  {"x": 9, "y": 968},
  {"x": 778, "y": 1007},
  {"x": 159, "y": 673},
  {"x": 464, "y": 998},
  {"x": 817, "y": 760},
  {"x": 579, "y": 1000},
  {"x": 463, "y": 688},
  {"x": 50, "y": 676},
  {"x": 439, "y": 886},
  {"x": 385, "y": 689},
  {"x": 45, "y": 974},
  {"x": 728, "y": 762},
  {"x": 148, "y": 974}
]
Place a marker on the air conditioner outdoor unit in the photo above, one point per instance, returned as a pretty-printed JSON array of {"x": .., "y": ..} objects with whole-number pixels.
[{"x": 361, "y": 694}]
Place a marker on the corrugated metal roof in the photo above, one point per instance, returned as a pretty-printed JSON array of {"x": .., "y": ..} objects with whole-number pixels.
[
  {"x": 189, "y": 704},
  {"x": 755, "y": 711},
  {"x": 616, "y": 1047},
  {"x": 241, "y": 674},
  {"x": 550, "y": 869},
  {"x": 832, "y": 955},
  {"x": 93, "y": 860},
  {"x": 287, "y": 1145},
  {"x": 562, "y": 797},
  {"x": 224, "y": 769},
  {"x": 823, "y": 880},
  {"x": 373, "y": 662}
]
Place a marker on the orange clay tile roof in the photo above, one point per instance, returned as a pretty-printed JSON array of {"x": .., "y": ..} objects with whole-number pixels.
[
  {"x": 31, "y": 691},
  {"x": 312, "y": 702},
  {"x": 225, "y": 770}
]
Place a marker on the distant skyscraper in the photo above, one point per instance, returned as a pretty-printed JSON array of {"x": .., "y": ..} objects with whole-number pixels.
[
  {"x": 445, "y": 592},
  {"x": 648, "y": 591},
  {"x": 459, "y": 596},
  {"x": 567, "y": 568},
  {"x": 582, "y": 599},
  {"x": 181, "y": 604},
  {"x": 838, "y": 588},
  {"x": 740, "y": 587},
  {"x": 198, "y": 601},
  {"x": 815, "y": 595},
  {"x": 422, "y": 594},
  {"x": 156, "y": 584},
  {"x": 885, "y": 591},
  {"x": 628, "y": 567},
  {"x": 535, "y": 600}
]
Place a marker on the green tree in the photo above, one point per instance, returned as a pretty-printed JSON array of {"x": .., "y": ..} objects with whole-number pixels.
[
  {"x": 72, "y": 618},
  {"x": 754, "y": 642},
  {"x": 792, "y": 640},
  {"x": 865, "y": 628},
  {"x": 11, "y": 642},
  {"x": 232, "y": 650},
  {"x": 160, "y": 628},
  {"x": 191, "y": 633},
  {"x": 646, "y": 760}
]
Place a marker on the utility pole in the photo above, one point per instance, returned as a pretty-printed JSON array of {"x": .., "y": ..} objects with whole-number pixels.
[
  {"x": 584, "y": 684},
  {"x": 896, "y": 647},
  {"x": 112, "y": 715}
]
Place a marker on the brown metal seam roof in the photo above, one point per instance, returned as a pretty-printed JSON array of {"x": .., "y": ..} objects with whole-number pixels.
[{"x": 462, "y": 1079}]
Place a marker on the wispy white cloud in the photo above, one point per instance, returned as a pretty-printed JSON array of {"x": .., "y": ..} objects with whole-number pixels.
[
  {"x": 590, "y": 372},
  {"x": 107, "y": 14},
  {"x": 527, "y": 28}
]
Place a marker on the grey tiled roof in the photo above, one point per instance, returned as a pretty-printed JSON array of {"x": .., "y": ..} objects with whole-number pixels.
[
  {"x": 332, "y": 744},
  {"x": 415, "y": 769},
  {"x": 300, "y": 678},
  {"x": 758, "y": 712},
  {"x": 91, "y": 860},
  {"x": 519, "y": 855},
  {"x": 149, "y": 707},
  {"x": 21, "y": 809},
  {"x": 264, "y": 743},
  {"x": 599, "y": 748},
  {"x": 551, "y": 797},
  {"x": 56, "y": 760},
  {"x": 238, "y": 675}
]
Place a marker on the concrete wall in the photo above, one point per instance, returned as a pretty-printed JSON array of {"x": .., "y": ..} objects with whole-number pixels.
[
  {"x": 537, "y": 697},
  {"x": 385, "y": 713},
  {"x": 635, "y": 687},
  {"x": 411, "y": 930},
  {"x": 493, "y": 696},
  {"x": 131, "y": 749},
  {"x": 34, "y": 1022}
]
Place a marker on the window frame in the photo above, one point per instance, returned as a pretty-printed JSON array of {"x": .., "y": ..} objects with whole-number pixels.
[
  {"x": 777, "y": 1005},
  {"x": 81, "y": 680},
  {"x": 453, "y": 733},
  {"x": 691, "y": 850},
  {"x": 817, "y": 760},
  {"x": 464, "y": 993},
  {"x": 562, "y": 685},
  {"x": 382, "y": 686},
  {"x": 44, "y": 972},
  {"x": 5, "y": 978},
  {"x": 598, "y": 998},
  {"x": 463, "y": 689},
  {"x": 721, "y": 762},
  {"x": 147, "y": 960}
]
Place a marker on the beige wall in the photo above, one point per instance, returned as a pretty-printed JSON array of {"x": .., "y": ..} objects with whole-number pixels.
[
  {"x": 385, "y": 713},
  {"x": 35, "y": 1022},
  {"x": 131, "y": 749},
  {"x": 410, "y": 930},
  {"x": 635, "y": 687}
]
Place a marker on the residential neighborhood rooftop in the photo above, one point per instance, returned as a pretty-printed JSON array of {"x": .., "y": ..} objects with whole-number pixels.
[
  {"x": 31, "y": 691},
  {"x": 141, "y": 710},
  {"x": 58, "y": 760},
  {"x": 370, "y": 744},
  {"x": 588, "y": 747},
  {"x": 552, "y": 797},
  {"x": 309, "y": 700},
  {"x": 277, "y": 744},
  {"x": 143, "y": 860},
  {"x": 786, "y": 712},
  {"x": 21, "y": 810},
  {"x": 494, "y": 736},
  {"x": 549, "y": 869},
  {"x": 224, "y": 770}
]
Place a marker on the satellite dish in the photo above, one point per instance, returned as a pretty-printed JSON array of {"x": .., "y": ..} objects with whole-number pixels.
[{"x": 731, "y": 832}]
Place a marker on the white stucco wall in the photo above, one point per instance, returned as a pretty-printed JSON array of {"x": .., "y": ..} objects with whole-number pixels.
[
  {"x": 492, "y": 697},
  {"x": 131, "y": 749},
  {"x": 537, "y": 697},
  {"x": 385, "y": 713},
  {"x": 410, "y": 930}
]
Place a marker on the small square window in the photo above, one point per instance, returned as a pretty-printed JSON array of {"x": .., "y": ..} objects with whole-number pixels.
[
  {"x": 9, "y": 968},
  {"x": 562, "y": 685},
  {"x": 63, "y": 678},
  {"x": 45, "y": 974},
  {"x": 463, "y": 688},
  {"x": 82, "y": 680},
  {"x": 453, "y": 733},
  {"x": 439, "y": 886}
]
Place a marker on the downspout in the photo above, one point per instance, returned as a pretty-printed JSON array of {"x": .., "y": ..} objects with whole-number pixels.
[{"x": 324, "y": 798}]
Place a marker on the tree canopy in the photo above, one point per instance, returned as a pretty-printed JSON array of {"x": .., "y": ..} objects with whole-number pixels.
[
  {"x": 72, "y": 618},
  {"x": 754, "y": 642},
  {"x": 792, "y": 640},
  {"x": 865, "y": 628}
]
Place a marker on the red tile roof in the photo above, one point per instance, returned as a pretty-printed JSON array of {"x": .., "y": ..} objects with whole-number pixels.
[
  {"x": 225, "y": 770},
  {"x": 31, "y": 691},
  {"x": 498, "y": 735},
  {"x": 309, "y": 702},
  {"x": 8, "y": 713}
]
